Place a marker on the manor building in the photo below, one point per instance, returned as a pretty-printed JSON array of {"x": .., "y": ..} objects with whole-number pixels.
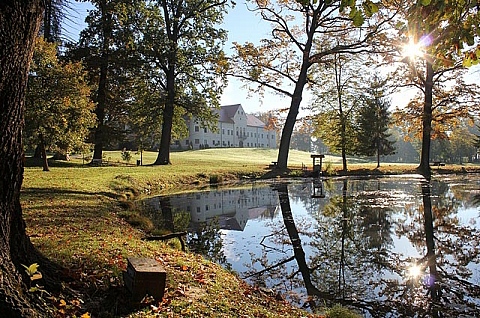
[{"x": 235, "y": 128}]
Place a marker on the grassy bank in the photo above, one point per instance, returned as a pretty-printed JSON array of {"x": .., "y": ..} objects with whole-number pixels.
[{"x": 72, "y": 215}]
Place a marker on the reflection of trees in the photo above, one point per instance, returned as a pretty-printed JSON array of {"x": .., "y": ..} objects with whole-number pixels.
[
  {"x": 206, "y": 240},
  {"x": 350, "y": 247},
  {"x": 347, "y": 255},
  {"x": 332, "y": 274},
  {"x": 450, "y": 248},
  {"x": 298, "y": 251},
  {"x": 352, "y": 261},
  {"x": 166, "y": 219}
]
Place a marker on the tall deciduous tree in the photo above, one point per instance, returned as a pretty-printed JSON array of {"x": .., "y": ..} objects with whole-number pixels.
[
  {"x": 372, "y": 124},
  {"x": 181, "y": 47},
  {"x": 104, "y": 47},
  {"x": 19, "y": 24},
  {"x": 58, "y": 108},
  {"x": 304, "y": 33},
  {"x": 336, "y": 102},
  {"x": 446, "y": 32}
]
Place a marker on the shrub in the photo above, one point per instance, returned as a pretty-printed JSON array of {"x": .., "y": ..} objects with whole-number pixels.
[{"x": 126, "y": 156}]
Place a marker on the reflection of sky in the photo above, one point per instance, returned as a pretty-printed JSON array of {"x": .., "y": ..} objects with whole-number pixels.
[
  {"x": 399, "y": 202},
  {"x": 469, "y": 216},
  {"x": 241, "y": 247}
]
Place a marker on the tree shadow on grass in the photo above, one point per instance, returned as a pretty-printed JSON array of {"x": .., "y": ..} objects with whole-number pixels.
[
  {"x": 56, "y": 191},
  {"x": 82, "y": 250}
]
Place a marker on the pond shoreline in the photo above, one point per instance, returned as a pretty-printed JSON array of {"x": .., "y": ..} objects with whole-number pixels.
[{"x": 74, "y": 217}]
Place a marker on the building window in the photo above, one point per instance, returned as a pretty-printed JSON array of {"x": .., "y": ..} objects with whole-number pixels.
[
  {"x": 197, "y": 141},
  {"x": 205, "y": 130},
  {"x": 198, "y": 209},
  {"x": 205, "y": 141},
  {"x": 187, "y": 142},
  {"x": 197, "y": 129},
  {"x": 206, "y": 207},
  {"x": 223, "y": 131},
  {"x": 262, "y": 135}
]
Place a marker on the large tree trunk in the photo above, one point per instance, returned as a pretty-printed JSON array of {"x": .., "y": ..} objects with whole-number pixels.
[
  {"x": 43, "y": 152},
  {"x": 282, "y": 159},
  {"x": 287, "y": 131},
  {"x": 163, "y": 157},
  {"x": 19, "y": 23},
  {"x": 424, "y": 167}
]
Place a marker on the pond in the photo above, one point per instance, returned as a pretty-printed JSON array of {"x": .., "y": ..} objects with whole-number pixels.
[{"x": 388, "y": 247}]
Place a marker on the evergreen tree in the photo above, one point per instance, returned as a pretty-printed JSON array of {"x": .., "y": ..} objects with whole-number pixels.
[{"x": 372, "y": 137}]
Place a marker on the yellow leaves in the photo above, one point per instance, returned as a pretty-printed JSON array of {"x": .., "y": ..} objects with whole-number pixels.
[
  {"x": 69, "y": 309},
  {"x": 32, "y": 271},
  {"x": 471, "y": 57}
]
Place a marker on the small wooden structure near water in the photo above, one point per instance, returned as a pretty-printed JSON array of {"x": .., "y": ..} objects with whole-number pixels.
[{"x": 145, "y": 276}]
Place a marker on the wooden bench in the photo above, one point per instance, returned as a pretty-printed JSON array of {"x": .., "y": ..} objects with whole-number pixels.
[
  {"x": 99, "y": 162},
  {"x": 145, "y": 276},
  {"x": 273, "y": 164},
  {"x": 438, "y": 164}
]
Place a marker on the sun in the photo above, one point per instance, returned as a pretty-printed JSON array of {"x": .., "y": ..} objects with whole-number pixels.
[
  {"x": 412, "y": 49},
  {"x": 414, "y": 271}
]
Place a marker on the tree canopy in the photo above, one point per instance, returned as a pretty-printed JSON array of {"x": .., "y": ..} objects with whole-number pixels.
[
  {"x": 302, "y": 33},
  {"x": 58, "y": 109},
  {"x": 445, "y": 33}
]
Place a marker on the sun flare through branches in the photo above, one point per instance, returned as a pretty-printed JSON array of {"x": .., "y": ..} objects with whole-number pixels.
[{"x": 413, "y": 49}]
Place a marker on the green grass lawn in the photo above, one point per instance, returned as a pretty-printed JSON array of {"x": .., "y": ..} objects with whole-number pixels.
[{"x": 74, "y": 216}]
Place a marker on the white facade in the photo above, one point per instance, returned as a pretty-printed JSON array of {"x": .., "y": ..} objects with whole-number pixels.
[
  {"x": 232, "y": 207},
  {"x": 235, "y": 128}
]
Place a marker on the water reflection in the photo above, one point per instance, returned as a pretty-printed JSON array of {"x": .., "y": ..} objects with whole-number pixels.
[{"x": 354, "y": 242}]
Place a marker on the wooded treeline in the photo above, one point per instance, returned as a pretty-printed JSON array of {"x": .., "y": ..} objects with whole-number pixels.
[{"x": 149, "y": 65}]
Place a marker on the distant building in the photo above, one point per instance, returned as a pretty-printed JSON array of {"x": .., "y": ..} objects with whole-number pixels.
[
  {"x": 235, "y": 128},
  {"x": 232, "y": 207}
]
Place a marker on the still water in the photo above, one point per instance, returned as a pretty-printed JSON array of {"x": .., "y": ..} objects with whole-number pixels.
[{"x": 388, "y": 247}]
